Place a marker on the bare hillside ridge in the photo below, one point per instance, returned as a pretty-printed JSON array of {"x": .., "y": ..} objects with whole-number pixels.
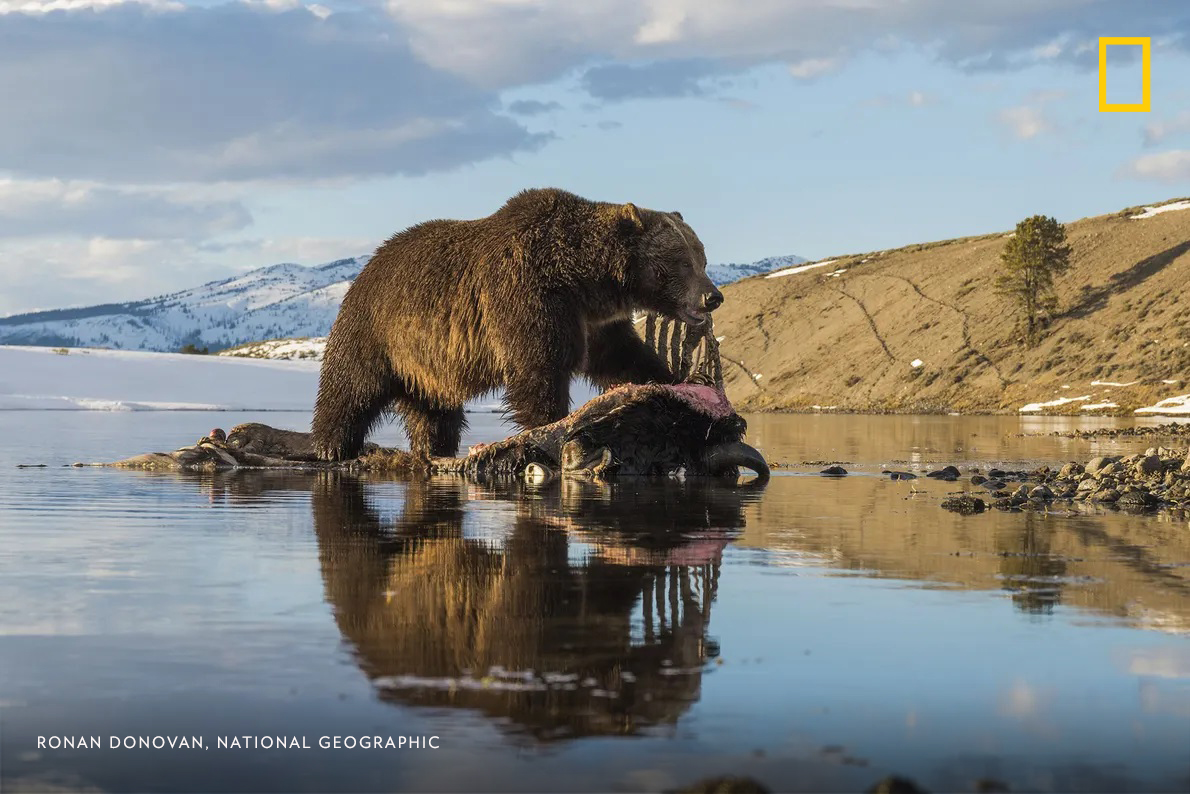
[{"x": 921, "y": 329}]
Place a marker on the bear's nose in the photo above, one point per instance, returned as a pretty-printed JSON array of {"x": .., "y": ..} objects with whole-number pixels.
[{"x": 713, "y": 300}]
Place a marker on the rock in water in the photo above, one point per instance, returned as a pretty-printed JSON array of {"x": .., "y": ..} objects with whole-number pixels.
[
  {"x": 966, "y": 505},
  {"x": 726, "y": 785},
  {"x": 834, "y": 471},
  {"x": 1101, "y": 462}
]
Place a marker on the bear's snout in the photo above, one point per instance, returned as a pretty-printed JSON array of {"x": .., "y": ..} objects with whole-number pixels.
[{"x": 713, "y": 300}]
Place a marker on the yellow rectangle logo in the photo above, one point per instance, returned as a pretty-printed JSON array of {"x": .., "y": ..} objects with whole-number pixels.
[{"x": 1145, "y": 50}]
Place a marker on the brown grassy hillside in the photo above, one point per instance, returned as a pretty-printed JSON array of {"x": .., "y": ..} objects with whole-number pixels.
[{"x": 847, "y": 339}]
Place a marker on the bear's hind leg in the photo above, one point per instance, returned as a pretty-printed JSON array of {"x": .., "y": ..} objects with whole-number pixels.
[
  {"x": 352, "y": 396},
  {"x": 433, "y": 431}
]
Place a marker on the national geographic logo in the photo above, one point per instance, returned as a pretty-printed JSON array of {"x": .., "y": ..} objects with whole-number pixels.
[{"x": 1145, "y": 52}]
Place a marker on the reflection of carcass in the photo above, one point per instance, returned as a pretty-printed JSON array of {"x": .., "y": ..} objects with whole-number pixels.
[
  {"x": 609, "y": 644},
  {"x": 651, "y": 430}
]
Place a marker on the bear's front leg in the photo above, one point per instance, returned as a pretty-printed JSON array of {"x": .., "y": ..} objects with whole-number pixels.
[
  {"x": 540, "y": 343},
  {"x": 538, "y": 395}
]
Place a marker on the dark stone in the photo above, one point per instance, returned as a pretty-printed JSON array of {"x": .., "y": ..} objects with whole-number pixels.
[
  {"x": 725, "y": 785},
  {"x": 964, "y": 505},
  {"x": 1138, "y": 499},
  {"x": 834, "y": 471},
  {"x": 896, "y": 785}
]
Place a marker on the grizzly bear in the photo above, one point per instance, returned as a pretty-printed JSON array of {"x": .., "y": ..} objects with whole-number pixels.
[{"x": 541, "y": 290}]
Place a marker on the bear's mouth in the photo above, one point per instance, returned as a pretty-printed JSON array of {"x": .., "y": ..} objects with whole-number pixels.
[{"x": 692, "y": 316}]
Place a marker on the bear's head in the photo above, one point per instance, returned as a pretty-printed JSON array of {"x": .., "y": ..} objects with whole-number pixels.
[{"x": 669, "y": 265}]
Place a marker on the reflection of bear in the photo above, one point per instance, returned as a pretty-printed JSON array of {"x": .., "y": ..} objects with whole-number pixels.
[
  {"x": 550, "y": 644},
  {"x": 525, "y": 298}
]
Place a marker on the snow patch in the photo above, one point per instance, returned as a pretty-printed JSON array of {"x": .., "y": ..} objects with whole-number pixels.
[
  {"x": 1149, "y": 212},
  {"x": 1051, "y": 404},
  {"x": 1112, "y": 383},
  {"x": 1170, "y": 405},
  {"x": 915, "y": 363},
  {"x": 1098, "y": 406},
  {"x": 789, "y": 271},
  {"x": 281, "y": 349}
]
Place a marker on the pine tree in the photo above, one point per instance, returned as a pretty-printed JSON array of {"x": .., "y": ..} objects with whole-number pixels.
[{"x": 1031, "y": 259}]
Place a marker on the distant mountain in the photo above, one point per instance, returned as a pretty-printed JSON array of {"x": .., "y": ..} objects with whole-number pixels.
[
  {"x": 727, "y": 273},
  {"x": 277, "y": 302}
]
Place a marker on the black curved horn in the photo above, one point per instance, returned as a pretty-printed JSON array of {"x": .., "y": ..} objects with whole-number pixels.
[{"x": 737, "y": 453}]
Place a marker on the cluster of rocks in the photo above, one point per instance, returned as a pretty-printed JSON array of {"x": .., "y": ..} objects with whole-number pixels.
[
  {"x": 1158, "y": 477},
  {"x": 1173, "y": 429},
  {"x": 894, "y": 784}
]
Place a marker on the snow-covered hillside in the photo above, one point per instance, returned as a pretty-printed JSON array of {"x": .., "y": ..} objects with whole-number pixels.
[
  {"x": 278, "y": 302},
  {"x": 727, "y": 273}
]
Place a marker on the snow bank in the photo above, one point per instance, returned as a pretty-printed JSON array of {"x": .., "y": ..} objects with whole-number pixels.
[
  {"x": 1173, "y": 206},
  {"x": 81, "y": 379},
  {"x": 1113, "y": 383},
  {"x": 1170, "y": 405},
  {"x": 789, "y": 271},
  {"x": 1097, "y": 406},
  {"x": 1051, "y": 404}
]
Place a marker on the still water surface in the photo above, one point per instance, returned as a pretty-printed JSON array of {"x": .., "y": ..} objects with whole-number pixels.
[{"x": 817, "y": 635}]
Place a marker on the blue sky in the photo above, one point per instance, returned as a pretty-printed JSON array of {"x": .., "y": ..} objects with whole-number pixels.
[{"x": 148, "y": 146}]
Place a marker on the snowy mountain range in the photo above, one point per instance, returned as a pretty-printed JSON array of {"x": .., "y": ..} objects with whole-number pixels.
[{"x": 276, "y": 302}]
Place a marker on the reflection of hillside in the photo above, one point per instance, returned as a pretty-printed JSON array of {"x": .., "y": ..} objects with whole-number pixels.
[
  {"x": 926, "y": 439},
  {"x": 1115, "y": 564},
  {"x": 608, "y": 644}
]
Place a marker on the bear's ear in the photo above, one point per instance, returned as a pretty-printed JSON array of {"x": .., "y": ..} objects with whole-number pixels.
[
  {"x": 630, "y": 215},
  {"x": 677, "y": 215}
]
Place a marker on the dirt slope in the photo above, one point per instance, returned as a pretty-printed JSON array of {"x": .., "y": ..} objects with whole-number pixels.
[{"x": 846, "y": 334}]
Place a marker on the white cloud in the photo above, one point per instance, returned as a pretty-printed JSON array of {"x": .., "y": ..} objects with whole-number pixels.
[
  {"x": 52, "y": 273},
  {"x": 303, "y": 250},
  {"x": 37, "y": 208},
  {"x": 1030, "y": 119},
  {"x": 813, "y": 67},
  {"x": 233, "y": 92},
  {"x": 47, "y": 6},
  {"x": 1168, "y": 167},
  {"x": 1157, "y": 131},
  {"x": 505, "y": 42},
  {"x": 1024, "y": 121}
]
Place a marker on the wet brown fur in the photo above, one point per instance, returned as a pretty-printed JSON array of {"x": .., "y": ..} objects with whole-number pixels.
[{"x": 541, "y": 290}]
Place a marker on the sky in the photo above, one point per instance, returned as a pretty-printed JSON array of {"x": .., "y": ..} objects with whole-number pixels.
[{"x": 151, "y": 146}]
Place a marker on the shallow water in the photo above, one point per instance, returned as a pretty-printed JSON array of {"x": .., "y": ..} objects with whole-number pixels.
[{"x": 817, "y": 635}]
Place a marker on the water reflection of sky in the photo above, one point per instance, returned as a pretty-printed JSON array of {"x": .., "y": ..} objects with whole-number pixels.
[{"x": 844, "y": 630}]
